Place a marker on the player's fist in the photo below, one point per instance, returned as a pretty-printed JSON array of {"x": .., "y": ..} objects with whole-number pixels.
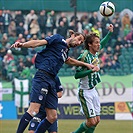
[
  {"x": 96, "y": 69},
  {"x": 111, "y": 27},
  {"x": 17, "y": 45},
  {"x": 89, "y": 66}
]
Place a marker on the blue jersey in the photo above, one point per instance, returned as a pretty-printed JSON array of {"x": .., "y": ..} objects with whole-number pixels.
[{"x": 53, "y": 56}]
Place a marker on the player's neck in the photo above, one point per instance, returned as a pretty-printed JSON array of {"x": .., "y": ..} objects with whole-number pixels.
[
  {"x": 92, "y": 52},
  {"x": 68, "y": 42}
]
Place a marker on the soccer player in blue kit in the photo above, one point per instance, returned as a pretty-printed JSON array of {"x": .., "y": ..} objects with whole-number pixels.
[
  {"x": 42, "y": 114},
  {"x": 48, "y": 63}
]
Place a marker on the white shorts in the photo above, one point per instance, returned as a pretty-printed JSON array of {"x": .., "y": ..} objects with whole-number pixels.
[{"x": 89, "y": 102}]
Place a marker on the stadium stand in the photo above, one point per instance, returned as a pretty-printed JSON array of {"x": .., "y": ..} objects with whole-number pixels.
[{"x": 118, "y": 61}]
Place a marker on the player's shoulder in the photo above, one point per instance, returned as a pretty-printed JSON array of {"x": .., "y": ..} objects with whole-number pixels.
[
  {"x": 58, "y": 35},
  {"x": 83, "y": 55}
]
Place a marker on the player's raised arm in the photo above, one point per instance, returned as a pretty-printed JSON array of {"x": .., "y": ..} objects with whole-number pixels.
[
  {"x": 104, "y": 41},
  {"x": 29, "y": 44}
]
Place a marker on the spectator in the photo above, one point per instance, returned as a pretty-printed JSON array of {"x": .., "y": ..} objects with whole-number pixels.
[
  {"x": 27, "y": 35},
  {"x": 23, "y": 51},
  {"x": 32, "y": 51},
  {"x": 29, "y": 18},
  {"x": 34, "y": 37},
  {"x": 20, "y": 67},
  {"x": 109, "y": 65},
  {"x": 49, "y": 23},
  {"x": 94, "y": 19},
  {"x": 19, "y": 38},
  {"x": 19, "y": 17},
  {"x": 3, "y": 51},
  {"x": 42, "y": 36},
  {"x": 42, "y": 21},
  {"x": 28, "y": 62},
  {"x": 126, "y": 30},
  {"x": 117, "y": 50},
  {"x": 95, "y": 30},
  {"x": 62, "y": 16},
  {"x": 109, "y": 51},
  {"x": 34, "y": 27},
  {"x": 72, "y": 25},
  {"x": 118, "y": 42},
  {"x": 75, "y": 20},
  {"x": 8, "y": 57},
  {"x": 20, "y": 29},
  {"x": 11, "y": 71},
  {"x": 12, "y": 29},
  {"x": 126, "y": 21},
  {"x": 115, "y": 65},
  {"x": 53, "y": 17},
  {"x": 2, "y": 21},
  {"x": 84, "y": 20},
  {"x": 104, "y": 58},
  {"x": 115, "y": 57},
  {"x": 129, "y": 37},
  {"x": 116, "y": 28},
  {"x": 4, "y": 39},
  {"x": 62, "y": 29},
  {"x": 7, "y": 19},
  {"x": 25, "y": 74}
]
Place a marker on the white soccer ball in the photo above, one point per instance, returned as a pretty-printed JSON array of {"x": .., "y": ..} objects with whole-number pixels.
[{"x": 107, "y": 9}]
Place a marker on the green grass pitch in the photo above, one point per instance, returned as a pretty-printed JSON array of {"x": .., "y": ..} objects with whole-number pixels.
[{"x": 67, "y": 126}]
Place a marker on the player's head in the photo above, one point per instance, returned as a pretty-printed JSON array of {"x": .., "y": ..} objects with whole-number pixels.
[
  {"x": 92, "y": 43},
  {"x": 75, "y": 38}
]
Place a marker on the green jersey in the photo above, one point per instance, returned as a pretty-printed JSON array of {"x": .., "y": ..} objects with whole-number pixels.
[{"x": 90, "y": 79}]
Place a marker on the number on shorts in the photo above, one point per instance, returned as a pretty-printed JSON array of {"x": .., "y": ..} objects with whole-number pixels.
[{"x": 92, "y": 113}]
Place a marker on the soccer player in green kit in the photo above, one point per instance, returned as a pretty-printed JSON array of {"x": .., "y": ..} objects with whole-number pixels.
[{"x": 87, "y": 94}]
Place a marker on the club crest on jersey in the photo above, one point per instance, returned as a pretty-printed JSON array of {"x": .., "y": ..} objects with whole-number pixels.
[{"x": 95, "y": 62}]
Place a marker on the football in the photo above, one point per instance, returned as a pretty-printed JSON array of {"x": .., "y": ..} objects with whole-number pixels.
[{"x": 107, "y": 9}]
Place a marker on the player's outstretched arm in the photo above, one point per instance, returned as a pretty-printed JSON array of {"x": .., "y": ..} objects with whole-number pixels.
[
  {"x": 104, "y": 41},
  {"x": 29, "y": 44},
  {"x": 84, "y": 73},
  {"x": 75, "y": 62}
]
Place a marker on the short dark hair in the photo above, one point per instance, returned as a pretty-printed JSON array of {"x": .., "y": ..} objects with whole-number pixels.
[{"x": 89, "y": 39}]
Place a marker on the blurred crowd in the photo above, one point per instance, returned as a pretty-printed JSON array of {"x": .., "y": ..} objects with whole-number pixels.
[{"x": 21, "y": 26}]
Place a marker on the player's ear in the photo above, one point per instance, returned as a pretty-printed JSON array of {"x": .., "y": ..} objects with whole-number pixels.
[
  {"x": 89, "y": 44},
  {"x": 71, "y": 32}
]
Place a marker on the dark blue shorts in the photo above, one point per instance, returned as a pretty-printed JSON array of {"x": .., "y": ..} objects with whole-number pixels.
[
  {"x": 44, "y": 90},
  {"x": 37, "y": 119}
]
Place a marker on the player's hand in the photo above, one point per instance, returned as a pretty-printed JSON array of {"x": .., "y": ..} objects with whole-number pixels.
[
  {"x": 17, "y": 45},
  {"x": 95, "y": 69},
  {"x": 111, "y": 27},
  {"x": 89, "y": 66}
]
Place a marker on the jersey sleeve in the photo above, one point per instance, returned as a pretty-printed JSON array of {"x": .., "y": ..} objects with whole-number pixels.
[
  {"x": 104, "y": 41},
  {"x": 82, "y": 71}
]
